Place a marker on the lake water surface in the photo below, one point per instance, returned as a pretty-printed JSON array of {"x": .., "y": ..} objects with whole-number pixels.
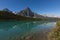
[{"x": 24, "y": 30}]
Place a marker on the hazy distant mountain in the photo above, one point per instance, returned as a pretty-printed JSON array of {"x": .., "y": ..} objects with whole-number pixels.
[{"x": 26, "y": 12}]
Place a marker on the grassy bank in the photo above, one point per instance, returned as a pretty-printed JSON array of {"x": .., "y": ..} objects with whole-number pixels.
[{"x": 55, "y": 34}]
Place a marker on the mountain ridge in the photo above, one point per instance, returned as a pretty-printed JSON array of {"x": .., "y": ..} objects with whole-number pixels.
[{"x": 23, "y": 14}]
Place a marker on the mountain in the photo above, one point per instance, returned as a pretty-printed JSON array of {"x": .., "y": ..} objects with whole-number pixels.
[
  {"x": 36, "y": 15},
  {"x": 5, "y": 9},
  {"x": 7, "y": 15},
  {"x": 26, "y": 12}
]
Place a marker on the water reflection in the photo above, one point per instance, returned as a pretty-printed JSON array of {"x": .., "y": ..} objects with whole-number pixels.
[{"x": 17, "y": 30}]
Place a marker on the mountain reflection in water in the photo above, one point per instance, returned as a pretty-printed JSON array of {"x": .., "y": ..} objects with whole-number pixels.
[{"x": 23, "y": 30}]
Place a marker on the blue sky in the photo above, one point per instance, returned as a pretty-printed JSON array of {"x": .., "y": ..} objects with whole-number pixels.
[{"x": 39, "y": 6}]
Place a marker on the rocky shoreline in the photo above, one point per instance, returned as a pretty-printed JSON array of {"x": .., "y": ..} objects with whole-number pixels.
[{"x": 55, "y": 34}]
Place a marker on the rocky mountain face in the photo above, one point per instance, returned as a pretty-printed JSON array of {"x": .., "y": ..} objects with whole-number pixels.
[{"x": 26, "y": 12}]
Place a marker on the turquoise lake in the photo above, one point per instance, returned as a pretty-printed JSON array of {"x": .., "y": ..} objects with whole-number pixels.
[{"x": 25, "y": 30}]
